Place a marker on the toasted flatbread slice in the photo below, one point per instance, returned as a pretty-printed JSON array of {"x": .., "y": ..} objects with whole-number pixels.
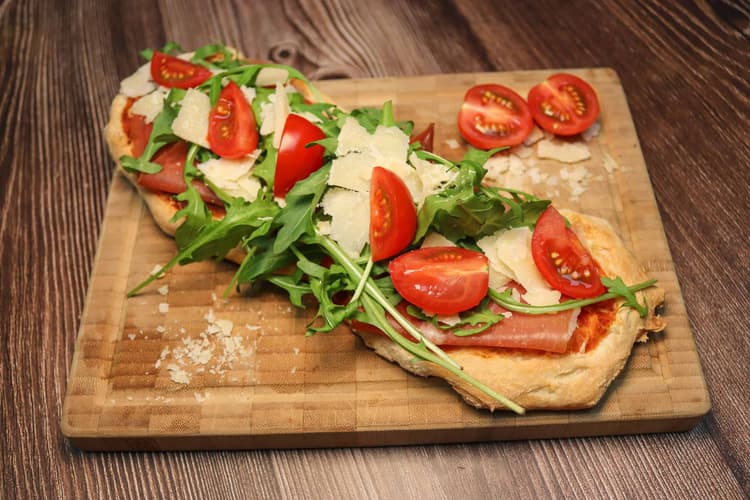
[{"x": 538, "y": 380}]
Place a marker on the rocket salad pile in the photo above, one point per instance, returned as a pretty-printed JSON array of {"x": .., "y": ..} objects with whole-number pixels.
[{"x": 288, "y": 220}]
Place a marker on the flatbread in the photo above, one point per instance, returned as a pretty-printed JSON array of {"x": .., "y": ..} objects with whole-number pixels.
[
  {"x": 538, "y": 380},
  {"x": 533, "y": 380}
]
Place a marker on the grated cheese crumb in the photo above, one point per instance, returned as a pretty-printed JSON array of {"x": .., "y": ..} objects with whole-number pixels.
[
  {"x": 157, "y": 271},
  {"x": 131, "y": 336},
  {"x": 178, "y": 375},
  {"x": 592, "y": 131},
  {"x": 563, "y": 151},
  {"x": 163, "y": 307},
  {"x": 160, "y": 329},
  {"x": 163, "y": 290},
  {"x": 452, "y": 143}
]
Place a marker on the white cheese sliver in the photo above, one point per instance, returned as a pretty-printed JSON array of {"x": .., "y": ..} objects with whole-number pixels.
[
  {"x": 139, "y": 83},
  {"x": 563, "y": 151},
  {"x": 513, "y": 248},
  {"x": 234, "y": 177},
  {"x": 352, "y": 171},
  {"x": 280, "y": 114},
  {"x": 267, "y": 116},
  {"x": 352, "y": 137},
  {"x": 149, "y": 105},
  {"x": 249, "y": 93},
  {"x": 271, "y": 76},
  {"x": 350, "y": 216},
  {"x": 191, "y": 123},
  {"x": 433, "y": 177},
  {"x": 389, "y": 142}
]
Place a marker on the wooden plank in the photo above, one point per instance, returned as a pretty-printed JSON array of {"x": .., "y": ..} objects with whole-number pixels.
[{"x": 264, "y": 384}]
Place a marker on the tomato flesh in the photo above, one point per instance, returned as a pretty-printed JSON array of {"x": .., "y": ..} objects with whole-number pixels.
[
  {"x": 232, "y": 131},
  {"x": 494, "y": 116},
  {"x": 564, "y": 104},
  {"x": 393, "y": 217},
  {"x": 296, "y": 160},
  {"x": 562, "y": 259},
  {"x": 426, "y": 138},
  {"x": 170, "y": 71},
  {"x": 441, "y": 280}
]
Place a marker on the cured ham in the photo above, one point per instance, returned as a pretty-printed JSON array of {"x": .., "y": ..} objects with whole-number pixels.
[{"x": 542, "y": 332}]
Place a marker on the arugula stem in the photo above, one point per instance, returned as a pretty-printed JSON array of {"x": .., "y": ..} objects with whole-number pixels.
[
  {"x": 503, "y": 299},
  {"x": 374, "y": 292},
  {"x": 363, "y": 281},
  {"x": 421, "y": 352}
]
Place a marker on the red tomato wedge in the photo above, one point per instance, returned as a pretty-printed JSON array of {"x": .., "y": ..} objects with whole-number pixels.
[
  {"x": 441, "y": 280},
  {"x": 426, "y": 137},
  {"x": 564, "y": 104},
  {"x": 562, "y": 259},
  {"x": 393, "y": 217},
  {"x": 296, "y": 160},
  {"x": 170, "y": 71},
  {"x": 494, "y": 116},
  {"x": 232, "y": 131}
]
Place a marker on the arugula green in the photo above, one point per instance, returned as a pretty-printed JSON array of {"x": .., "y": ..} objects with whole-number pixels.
[
  {"x": 618, "y": 289},
  {"x": 466, "y": 208}
]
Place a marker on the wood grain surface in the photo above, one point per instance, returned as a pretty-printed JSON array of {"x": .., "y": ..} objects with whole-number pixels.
[{"x": 684, "y": 68}]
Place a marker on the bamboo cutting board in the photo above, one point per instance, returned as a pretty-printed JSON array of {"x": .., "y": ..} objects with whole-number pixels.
[{"x": 180, "y": 367}]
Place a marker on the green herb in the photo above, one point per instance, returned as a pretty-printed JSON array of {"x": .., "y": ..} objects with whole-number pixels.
[
  {"x": 296, "y": 218},
  {"x": 466, "y": 208},
  {"x": 480, "y": 317},
  {"x": 618, "y": 287},
  {"x": 505, "y": 299},
  {"x": 168, "y": 48}
]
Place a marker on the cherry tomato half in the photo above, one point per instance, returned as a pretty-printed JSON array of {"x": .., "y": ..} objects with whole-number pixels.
[
  {"x": 494, "y": 116},
  {"x": 441, "y": 280},
  {"x": 564, "y": 104},
  {"x": 393, "y": 217},
  {"x": 170, "y": 71},
  {"x": 426, "y": 137},
  {"x": 296, "y": 160},
  {"x": 232, "y": 131},
  {"x": 561, "y": 258}
]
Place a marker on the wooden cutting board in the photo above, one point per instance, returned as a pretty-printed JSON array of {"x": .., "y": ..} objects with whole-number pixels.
[{"x": 179, "y": 367}]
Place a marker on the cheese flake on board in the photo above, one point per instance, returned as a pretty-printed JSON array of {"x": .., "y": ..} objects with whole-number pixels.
[
  {"x": 191, "y": 122},
  {"x": 563, "y": 151}
]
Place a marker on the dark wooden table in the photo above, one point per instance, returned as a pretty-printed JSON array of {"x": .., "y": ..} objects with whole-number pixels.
[{"x": 684, "y": 67}]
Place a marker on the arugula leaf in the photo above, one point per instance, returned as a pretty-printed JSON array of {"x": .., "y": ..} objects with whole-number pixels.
[
  {"x": 217, "y": 237},
  {"x": 465, "y": 208},
  {"x": 195, "y": 213},
  {"x": 505, "y": 300},
  {"x": 481, "y": 317},
  {"x": 618, "y": 287},
  {"x": 265, "y": 169},
  {"x": 161, "y": 135},
  {"x": 296, "y": 218}
]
